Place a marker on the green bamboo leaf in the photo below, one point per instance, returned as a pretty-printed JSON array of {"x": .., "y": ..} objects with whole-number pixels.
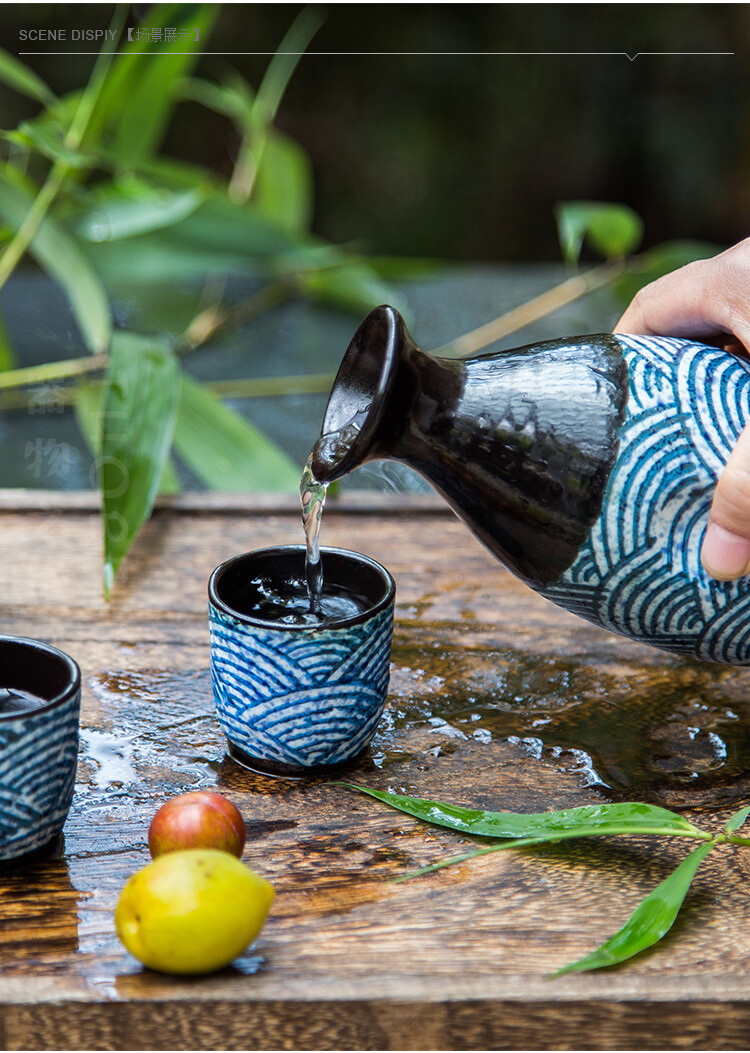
[
  {"x": 7, "y": 354},
  {"x": 60, "y": 256},
  {"x": 136, "y": 101},
  {"x": 47, "y": 138},
  {"x": 658, "y": 261},
  {"x": 611, "y": 230},
  {"x": 47, "y": 131},
  {"x": 116, "y": 215},
  {"x": 283, "y": 190},
  {"x": 737, "y": 820},
  {"x": 17, "y": 75},
  {"x": 217, "y": 97},
  {"x": 238, "y": 99},
  {"x": 174, "y": 174},
  {"x": 88, "y": 412},
  {"x": 170, "y": 481},
  {"x": 147, "y": 112},
  {"x": 649, "y": 922},
  {"x": 218, "y": 236},
  {"x": 257, "y": 111},
  {"x": 90, "y": 97},
  {"x": 140, "y": 404},
  {"x": 352, "y": 287},
  {"x": 123, "y": 74},
  {"x": 282, "y": 65},
  {"x": 161, "y": 257},
  {"x": 239, "y": 229},
  {"x": 225, "y": 450},
  {"x": 588, "y": 821},
  {"x": 407, "y": 268}
]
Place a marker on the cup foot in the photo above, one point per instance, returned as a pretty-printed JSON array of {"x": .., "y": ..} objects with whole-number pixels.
[
  {"x": 52, "y": 849},
  {"x": 288, "y": 771}
]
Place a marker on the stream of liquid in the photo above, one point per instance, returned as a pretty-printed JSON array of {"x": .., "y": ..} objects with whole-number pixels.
[
  {"x": 309, "y": 601},
  {"x": 329, "y": 449},
  {"x": 313, "y": 498}
]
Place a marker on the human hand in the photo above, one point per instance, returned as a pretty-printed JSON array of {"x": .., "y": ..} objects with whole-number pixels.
[{"x": 709, "y": 300}]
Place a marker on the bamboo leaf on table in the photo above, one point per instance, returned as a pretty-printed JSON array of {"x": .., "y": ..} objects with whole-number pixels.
[
  {"x": 139, "y": 408},
  {"x": 587, "y": 821},
  {"x": 226, "y": 451},
  {"x": 737, "y": 820},
  {"x": 649, "y": 922}
]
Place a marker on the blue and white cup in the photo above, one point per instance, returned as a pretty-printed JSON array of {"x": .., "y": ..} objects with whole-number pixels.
[
  {"x": 299, "y": 700},
  {"x": 40, "y": 701}
]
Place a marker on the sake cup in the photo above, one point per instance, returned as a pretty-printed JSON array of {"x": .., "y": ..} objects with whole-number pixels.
[
  {"x": 299, "y": 700},
  {"x": 40, "y": 698}
]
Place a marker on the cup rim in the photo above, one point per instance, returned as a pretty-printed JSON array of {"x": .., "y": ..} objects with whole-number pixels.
[
  {"x": 341, "y": 623},
  {"x": 65, "y": 695}
]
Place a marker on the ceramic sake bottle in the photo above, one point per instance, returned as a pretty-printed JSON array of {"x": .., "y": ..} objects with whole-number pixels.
[{"x": 586, "y": 465}]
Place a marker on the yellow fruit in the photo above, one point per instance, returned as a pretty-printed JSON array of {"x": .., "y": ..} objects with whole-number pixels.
[{"x": 192, "y": 911}]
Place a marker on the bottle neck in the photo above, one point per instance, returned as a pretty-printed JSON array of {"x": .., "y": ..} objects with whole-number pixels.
[
  {"x": 360, "y": 404},
  {"x": 520, "y": 444}
]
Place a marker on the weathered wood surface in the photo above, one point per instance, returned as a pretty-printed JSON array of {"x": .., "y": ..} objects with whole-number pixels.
[{"x": 497, "y": 698}]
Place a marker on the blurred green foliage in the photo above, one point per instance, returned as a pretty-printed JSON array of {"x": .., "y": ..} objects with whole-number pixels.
[
  {"x": 612, "y": 230},
  {"x": 461, "y": 148},
  {"x": 86, "y": 190},
  {"x": 101, "y": 185}
]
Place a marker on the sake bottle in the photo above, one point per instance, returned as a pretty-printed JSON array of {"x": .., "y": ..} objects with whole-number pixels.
[{"x": 586, "y": 465}]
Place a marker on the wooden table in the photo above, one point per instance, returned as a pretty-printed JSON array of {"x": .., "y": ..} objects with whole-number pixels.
[{"x": 497, "y": 699}]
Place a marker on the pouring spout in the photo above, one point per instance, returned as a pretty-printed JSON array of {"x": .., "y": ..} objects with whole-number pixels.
[{"x": 361, "y": 392}]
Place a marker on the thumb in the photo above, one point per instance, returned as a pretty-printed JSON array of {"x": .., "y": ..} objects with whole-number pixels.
[{"x": 726, "y": 547}]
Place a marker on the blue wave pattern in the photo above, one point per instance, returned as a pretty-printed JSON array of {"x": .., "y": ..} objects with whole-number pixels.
[
  {"x": 300, "y": 698},
  {"x": 38, "y": 754},
  {"x": 639, "y": 572}
]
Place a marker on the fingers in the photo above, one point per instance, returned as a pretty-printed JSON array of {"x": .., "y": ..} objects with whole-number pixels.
[
  {"x": 705, "y": 300},
  {"x": 726, "y": 546},
  {"x": 709, "y": 300},
  {"x": 671, "y": 306}
]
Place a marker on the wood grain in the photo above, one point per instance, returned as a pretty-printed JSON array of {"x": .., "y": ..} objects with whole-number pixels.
[{"x": 497, "y": 698}]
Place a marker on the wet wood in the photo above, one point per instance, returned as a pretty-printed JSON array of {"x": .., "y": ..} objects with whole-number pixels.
[{"x": 497, "y": 699}]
